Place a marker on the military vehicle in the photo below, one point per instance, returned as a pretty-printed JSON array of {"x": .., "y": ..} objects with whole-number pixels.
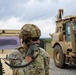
[
  {"x": 9, "y": 40},
  {"x": 64, "y": 40}
]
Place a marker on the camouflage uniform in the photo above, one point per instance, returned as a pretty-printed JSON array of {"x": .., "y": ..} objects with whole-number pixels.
[
  {"x": 31, "y": 32},
  {"x": 46, "y": 58},
  {"x": 30, "y": 68},
  {"x": 37, "y": 66},
  {"x": 16, "y": 58}
]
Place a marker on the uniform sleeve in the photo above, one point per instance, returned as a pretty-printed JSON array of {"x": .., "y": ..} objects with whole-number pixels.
[
  {"x": 14, "y": 55},
  {"x": 46, "y": 58},
  {"x": 15, "y": 58}
]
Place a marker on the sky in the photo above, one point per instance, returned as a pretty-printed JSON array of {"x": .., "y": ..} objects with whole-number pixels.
[{"x": 15, "y": 13}]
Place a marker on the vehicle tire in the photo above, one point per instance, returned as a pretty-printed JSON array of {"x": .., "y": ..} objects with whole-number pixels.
[{"x": 59, "y": 57}]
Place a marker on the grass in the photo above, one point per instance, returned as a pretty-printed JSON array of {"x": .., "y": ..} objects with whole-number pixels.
[{"x": 49, "y": 49}]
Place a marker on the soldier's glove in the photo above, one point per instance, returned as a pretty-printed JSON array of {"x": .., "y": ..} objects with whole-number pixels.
[{"x": 33, "y": 47}]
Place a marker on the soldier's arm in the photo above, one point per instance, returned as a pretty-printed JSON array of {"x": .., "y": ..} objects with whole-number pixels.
[
  {"x": 28, "y": 56},
  {"x": 46, "y": 58},
  {"x": 30, "y": 52}
]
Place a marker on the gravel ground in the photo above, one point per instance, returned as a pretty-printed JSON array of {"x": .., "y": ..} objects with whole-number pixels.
[{"x": 70, "y": 70}]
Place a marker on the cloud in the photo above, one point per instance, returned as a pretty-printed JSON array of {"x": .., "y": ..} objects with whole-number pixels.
[
  {"x": 46, "y": 26},
  {"x": 34, "y": 9},
  {"x": 14, "y": 14},
  {"x": 27, "y": 10},
  {"x": 11, "y": 23}
]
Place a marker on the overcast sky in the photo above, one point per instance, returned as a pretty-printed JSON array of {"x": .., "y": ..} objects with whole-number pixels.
[{"x": 15, "y": 13}]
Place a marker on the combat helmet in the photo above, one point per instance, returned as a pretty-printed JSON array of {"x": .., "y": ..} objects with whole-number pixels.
[{"x": 30, "y": 31}]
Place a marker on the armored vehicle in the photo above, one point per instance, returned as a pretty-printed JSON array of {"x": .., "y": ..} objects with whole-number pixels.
[
  {"x": 64, "y": 40},
  {"x": 9, "y": 41}
]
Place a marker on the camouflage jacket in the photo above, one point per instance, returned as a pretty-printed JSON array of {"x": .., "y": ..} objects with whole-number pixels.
[{"x": 16, "y": 58}]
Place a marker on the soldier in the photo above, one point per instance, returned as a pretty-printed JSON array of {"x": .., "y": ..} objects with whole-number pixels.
[
  {"x": 46, "y": 58},
  {"x": 30, "y": 34},
  {"x": 30, "y": 52}
]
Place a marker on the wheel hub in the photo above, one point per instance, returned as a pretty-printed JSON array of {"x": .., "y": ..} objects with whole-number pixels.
[{"x": 57, "y": 58}]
